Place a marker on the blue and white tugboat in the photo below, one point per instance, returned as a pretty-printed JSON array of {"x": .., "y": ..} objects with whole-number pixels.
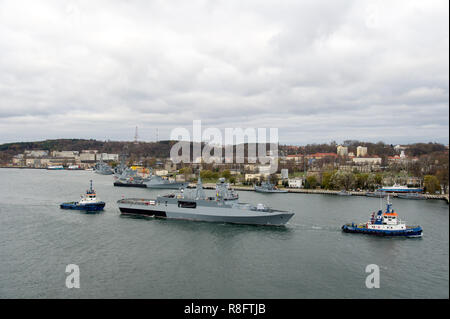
[
  {"x": 88, "y": 202},
  {"x": 384, "y": 224}
]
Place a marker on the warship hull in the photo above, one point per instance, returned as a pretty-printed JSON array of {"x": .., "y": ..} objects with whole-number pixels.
[
  {"x": 264, "y": 190},
  {"x": 165, "y": 185},
  {"x": 119, "y": 184},
  {"x": 225, "y": 214}
]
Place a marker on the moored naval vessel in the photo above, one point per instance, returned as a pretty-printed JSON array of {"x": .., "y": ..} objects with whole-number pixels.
[
  {"x": 103, "y": 168},
  {"x": 155, "y": 181},
  {"x": 267, "y": 187},
  {"x": 416, "y": 196},
  {"x": 376, "y": 194},
  {"x": 130, "y": 178},
  {"x": 119, "y": 169},
  {"x": 193, "y": 204}
]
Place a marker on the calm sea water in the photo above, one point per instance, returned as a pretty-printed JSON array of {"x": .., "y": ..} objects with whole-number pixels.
[{"x": 123, "y": 257}]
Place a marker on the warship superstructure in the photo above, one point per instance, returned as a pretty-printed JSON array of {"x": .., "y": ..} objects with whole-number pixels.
[{"x": 224, "y": 191}]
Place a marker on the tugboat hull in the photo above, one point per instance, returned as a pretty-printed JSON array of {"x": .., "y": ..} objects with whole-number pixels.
[
  {"x": 409, "y": 232},
  {"x": 88, "y": 207}
]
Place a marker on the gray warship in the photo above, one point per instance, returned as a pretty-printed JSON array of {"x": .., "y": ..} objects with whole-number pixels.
[
  {"x": 267, "y": 187},
  {"x": 224, "y": 191},
  {"x": 120, "y": 169},
  {"x": 130, "y": 178},
  {"x": 194, "y": 205},
  {"x": 377, "y": 194},
  {"x": 103, "y": 168},
  {"x": 155, "y": 181}
]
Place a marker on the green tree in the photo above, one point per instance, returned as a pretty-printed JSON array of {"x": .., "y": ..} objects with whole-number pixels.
[
  {"x": 311, "y": 182},
  {"x": 361, "y": 180},
  {"x": 226, "y": 174},
  {"x": 348, "y": 180},
  {"x": 431, "y": 184},
  {"x": 378, "y": 179},
  {"x": 442, "y": 176},
  {"x": 327, "y": 180},
  {"x": 206, "y": 174}
]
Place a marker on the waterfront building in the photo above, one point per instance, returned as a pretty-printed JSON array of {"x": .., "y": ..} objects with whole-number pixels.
[
  {"x": 250, "y": 177},
  {"x": 107, "y": 157},
  {"x": 36, "y": 153},
  {"x": 67, "y": 154},
  {"x": 87, "y": 157},
  {"x": 295, "y": 182}
]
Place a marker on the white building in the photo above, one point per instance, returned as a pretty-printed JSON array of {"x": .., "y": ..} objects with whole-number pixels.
[
  {"x": 36, "y": 153},
  {"x": 367, "y": 160},
  {"x": 399, "y": 148},
  {"x": 284, "y": 173},
  {"x": 295, "y": 182},
  {"x": 342, "y": 150},
  {"x": 361, "y": 151},
  {"x": 250, "y": 177},
  {"x": 68, "y": 154},
  {"x": 87, "y": 157},
  {"x": 108, "y": 157}
]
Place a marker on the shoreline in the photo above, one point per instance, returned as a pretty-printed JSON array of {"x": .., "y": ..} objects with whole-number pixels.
[
  {"x": 248, "y": 188},
  {"x": 325, "y": 191}
]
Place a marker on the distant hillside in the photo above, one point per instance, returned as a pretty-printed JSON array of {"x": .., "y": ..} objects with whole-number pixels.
[
  {"x": 161, "y": 149},
  {"x": 151, "y": 149},
  {"x": 380, "y": 148}
]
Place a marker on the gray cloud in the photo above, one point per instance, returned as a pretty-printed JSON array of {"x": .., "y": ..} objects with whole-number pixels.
[{"x": 317, "y": 70}]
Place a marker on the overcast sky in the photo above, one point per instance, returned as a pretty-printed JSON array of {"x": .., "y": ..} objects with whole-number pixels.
[{"x": 317, "y": 70}]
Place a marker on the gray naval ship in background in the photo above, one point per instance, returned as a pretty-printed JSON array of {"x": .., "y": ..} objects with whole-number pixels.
[
  {"x": 155, "y": 181},
  {"x": 103, "y": 168},
  {"x": 267, "y": 187},
  {"x": 193, "y": 204},
  {"x": 130, "y": 178}
]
